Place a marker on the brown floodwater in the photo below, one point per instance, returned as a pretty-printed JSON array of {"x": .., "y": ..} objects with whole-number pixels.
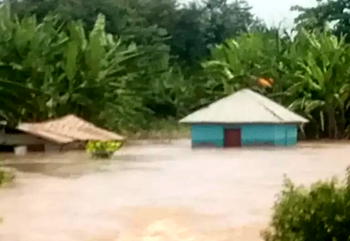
[{"x": 157, "y": 192}]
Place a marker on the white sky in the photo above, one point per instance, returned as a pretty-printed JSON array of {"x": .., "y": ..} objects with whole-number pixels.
[{"x": 275, "y": 12}]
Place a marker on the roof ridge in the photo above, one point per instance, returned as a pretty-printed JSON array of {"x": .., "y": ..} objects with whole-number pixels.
[
  {"x": 233, "y": 109},
  {"x": 266, "y": 107}
]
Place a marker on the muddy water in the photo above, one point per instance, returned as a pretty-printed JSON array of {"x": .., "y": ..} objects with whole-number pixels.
[{"x": 157, "y": 192}]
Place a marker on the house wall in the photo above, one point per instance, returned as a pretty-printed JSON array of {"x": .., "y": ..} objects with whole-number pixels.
[
  {"x": 52, "y": 147},
  {"x": 207, "y": 135},
  {"x": 279, "y": 135},
  {"x": 19, "y": 139},
  {"x": 29, "y": 142},
  {"x": 260, "y": 134},
  {"x": 9, "y": 141}
]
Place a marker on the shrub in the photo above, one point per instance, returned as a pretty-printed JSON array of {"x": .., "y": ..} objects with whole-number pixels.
[
  {"x": 6, "y": 176},
  {"x": 318, "y": 213},
  {"x": 103, "y": 149}
]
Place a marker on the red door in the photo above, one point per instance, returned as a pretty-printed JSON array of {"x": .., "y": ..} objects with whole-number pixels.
[{"x": 232, "y": 137}]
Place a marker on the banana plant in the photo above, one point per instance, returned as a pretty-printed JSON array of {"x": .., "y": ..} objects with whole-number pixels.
[
  {"x": 239, "y": 63},
  {"x": 65, "y": 69},
  {"x": 13, "y": 106},
  {"x": 321, "y": 80}
]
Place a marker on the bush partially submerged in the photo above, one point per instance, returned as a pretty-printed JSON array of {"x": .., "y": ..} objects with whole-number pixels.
[
  {"x": 318, "y": 213},
  {"x": 6, "y": 176},
  {"x": 103, "y": 149}
]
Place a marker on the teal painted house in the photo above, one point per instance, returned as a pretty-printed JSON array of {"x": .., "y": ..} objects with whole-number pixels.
[{"x": 244, "y": 118}]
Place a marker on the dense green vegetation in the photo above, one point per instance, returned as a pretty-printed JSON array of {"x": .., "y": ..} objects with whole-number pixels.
[
  {"x": 321, "y": 212},
  {"x": 309, "y": 72},
  {"x": 67, "y": 70},
  {"x": 127, "y": 65},
  {"x": 330, "y": 15}
]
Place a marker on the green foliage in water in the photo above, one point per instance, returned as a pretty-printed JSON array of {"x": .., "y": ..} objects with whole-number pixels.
[
  {"x": 318, "y": 213},
  {"x": 103, "y": 149},
  {"x": 6, "y": 176}
]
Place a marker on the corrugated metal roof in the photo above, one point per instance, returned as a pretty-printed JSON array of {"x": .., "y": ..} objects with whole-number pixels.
[
  {"x": 244, "y": 106},
  {"x": 68, "y": 129}
]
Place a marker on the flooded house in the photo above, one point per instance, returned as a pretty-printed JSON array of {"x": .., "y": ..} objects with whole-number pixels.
[
  {"x": 68, "y": 132},
  {"x": 244, "y": 118}
]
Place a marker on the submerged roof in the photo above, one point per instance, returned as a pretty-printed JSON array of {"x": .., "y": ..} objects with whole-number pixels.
[
  {"x": 68, "y": 129},
  {"x": 244, "y": 106}
]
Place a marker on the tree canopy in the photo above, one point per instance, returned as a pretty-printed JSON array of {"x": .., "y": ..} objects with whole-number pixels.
[
  {"x": 190, "y": 29},
  {"x": 328, "y": 14},
  {"x": 127, "y": 64}
]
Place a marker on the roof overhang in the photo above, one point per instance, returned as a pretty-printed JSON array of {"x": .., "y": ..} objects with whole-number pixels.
[
  {"x": 68, "y": 129},
  {"x": 243, "y": 123}
]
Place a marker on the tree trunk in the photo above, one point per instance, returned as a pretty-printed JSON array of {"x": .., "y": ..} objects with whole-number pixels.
[
  {"x": 332, "y": 122},
  {"x": 342, "y": 123}
]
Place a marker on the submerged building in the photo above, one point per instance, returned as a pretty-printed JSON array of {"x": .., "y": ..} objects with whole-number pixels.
[
  {"x": 244, "y": 118},
  {"x": 67, "y": 132}
]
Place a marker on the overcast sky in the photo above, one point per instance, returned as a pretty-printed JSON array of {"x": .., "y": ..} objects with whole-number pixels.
[{"x": 275, "y": 12}]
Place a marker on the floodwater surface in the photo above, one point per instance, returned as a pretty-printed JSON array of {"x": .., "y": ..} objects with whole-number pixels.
[{"x": 157, "y": 192}]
